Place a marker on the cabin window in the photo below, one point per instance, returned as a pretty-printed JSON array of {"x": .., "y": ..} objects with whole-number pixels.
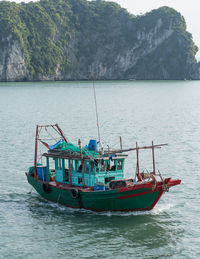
[
  {"x": 112, "y": 166},
  {"x": 103, "y": 166},
  {"x": 72, "y": 165},
  {"x": 92, "y": 166},
  {"x": 87, "y": 167},
  {"x": 59, "y": 164},
  {"x": 66, "y": 175},
  {"x": 108, "y": 166},
  {"x": 66, "y": 170},
  {"x": 96, "y": 165},
  {"x": 52, "y": 166},
  {"x": 66, "y": 164},
  {"x": 80, "y": 180},
  {"x": 80, "y": 167},
  {"x": 119, "y": 165}
]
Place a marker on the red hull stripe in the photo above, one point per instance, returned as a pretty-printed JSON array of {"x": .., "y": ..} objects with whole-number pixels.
[
  {"x": 135, "y": 187},
  {"x": 133, "y": 195}
]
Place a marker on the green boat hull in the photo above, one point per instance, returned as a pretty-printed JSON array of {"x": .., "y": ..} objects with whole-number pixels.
[{"x": 109, "y": 200}]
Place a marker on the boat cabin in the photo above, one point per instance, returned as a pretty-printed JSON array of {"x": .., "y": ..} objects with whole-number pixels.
[
  {"x": 75, "y": 165},
  {"x": 72, "y": 170}
]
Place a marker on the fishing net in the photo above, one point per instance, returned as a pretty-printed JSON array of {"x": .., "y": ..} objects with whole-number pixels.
[{"x": 62, "y": 145}]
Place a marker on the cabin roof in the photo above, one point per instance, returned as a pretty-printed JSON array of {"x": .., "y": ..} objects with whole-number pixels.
[{"x": 67, "y": 154}]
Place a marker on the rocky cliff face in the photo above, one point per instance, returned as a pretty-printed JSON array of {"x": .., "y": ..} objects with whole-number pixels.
[
  {"x": 125, "y": 63},
  {"x": 80, "y": 40},
  {"x": 12, "y": 61}
]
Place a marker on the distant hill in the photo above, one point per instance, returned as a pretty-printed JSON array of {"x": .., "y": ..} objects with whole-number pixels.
[{"x": 80, "y": 40}]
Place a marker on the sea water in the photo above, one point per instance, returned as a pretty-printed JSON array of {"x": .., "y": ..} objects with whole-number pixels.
[{"x": 142, "y": 111}]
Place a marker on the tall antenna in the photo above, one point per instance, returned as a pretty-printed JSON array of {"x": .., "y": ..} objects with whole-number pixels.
[{"x": 97, "y": 117}]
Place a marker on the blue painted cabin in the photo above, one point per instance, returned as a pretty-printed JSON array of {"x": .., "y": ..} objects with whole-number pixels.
[{"x": 87, "y": 172}]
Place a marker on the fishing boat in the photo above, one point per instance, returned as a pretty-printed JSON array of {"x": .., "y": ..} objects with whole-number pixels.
[{"x": 89, "y": 177}]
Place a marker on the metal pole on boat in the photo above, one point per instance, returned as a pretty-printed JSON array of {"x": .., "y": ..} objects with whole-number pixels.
[
  {"x": 120, "y": 142},
  {"x": 153, "y": 157},
  {"x": 79, "y": 142},
  {"x": 138, "y": 168},
  {"x": 97, "y": 117},
  {"x": 36, "y": 148},
  {"x": 61, "y": 133},
  {"x": 47, "y": 172},
  {"x": 70, "y": 171}
]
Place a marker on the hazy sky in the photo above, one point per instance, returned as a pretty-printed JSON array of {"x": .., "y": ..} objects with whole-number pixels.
[{"x": 190, "y": 9}]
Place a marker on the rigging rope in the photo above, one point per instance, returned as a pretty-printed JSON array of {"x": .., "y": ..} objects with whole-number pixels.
[{"x": 53, "y": 138}]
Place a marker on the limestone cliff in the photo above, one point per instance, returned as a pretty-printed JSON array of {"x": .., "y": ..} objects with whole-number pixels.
[
  {"x": 75, "y": 40},
  {"x": 12, "y": 61}
]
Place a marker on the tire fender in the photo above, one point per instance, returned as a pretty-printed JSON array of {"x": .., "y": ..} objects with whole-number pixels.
[{"x": 75, "y": 193}]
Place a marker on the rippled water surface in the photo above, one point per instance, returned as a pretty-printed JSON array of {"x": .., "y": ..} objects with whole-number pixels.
[{"x": 166, "y": 112}]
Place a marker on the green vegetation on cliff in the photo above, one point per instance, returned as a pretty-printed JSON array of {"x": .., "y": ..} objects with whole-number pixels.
[{"x": 67, "y": 39}]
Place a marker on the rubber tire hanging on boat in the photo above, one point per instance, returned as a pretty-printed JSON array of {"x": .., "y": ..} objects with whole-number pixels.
[
  {"x": 75, "y": 193},
  {"x": 46, "y": 188}
]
